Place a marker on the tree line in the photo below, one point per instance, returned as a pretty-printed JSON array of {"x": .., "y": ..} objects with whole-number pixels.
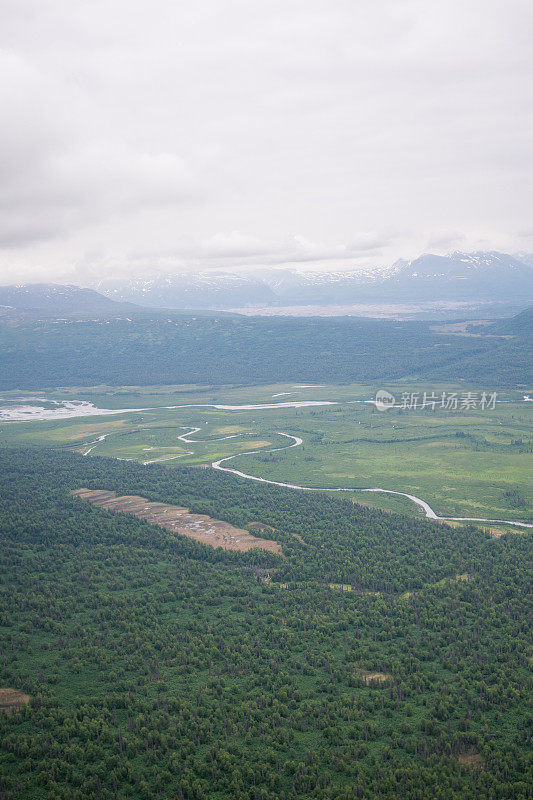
[{"x": 162, "y": 668}]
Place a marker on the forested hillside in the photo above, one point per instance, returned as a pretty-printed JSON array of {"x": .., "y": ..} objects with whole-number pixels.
[
  {"x": 48, "y": 298},
  {"x": 159, "y": 667},
  {"x": 519, "y": 325},
  {"x": 252, "y": 350}
]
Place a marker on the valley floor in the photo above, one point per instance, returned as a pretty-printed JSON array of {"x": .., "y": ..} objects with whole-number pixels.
[{"x": 455, "y": 463}]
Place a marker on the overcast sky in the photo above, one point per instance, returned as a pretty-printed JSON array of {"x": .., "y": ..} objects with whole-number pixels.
[{"x": 141, "y": 136}]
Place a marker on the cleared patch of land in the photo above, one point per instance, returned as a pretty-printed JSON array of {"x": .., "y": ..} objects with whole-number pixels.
[
  {"x": 12, "y": 698},
  {"x": 471, "y": 759},
  {"x": 460, "y": 327},
  {"x": 374, "y": 677},
  {"x": 179, "y": 520}
]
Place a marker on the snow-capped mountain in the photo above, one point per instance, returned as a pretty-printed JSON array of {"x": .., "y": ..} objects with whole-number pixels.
[
  {"x": 483, "y": 276},
  {"x": 479, "y": 276},
  {"x": 323, "y": 288},
  {"x": 217, "y": 290},
  {"x": 478, "y": 279},
  {"x": 200, "y": 290}
]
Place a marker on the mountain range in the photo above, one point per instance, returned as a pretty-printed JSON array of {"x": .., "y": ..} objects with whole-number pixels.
[
  {"x": 459, "y": 277},
  {"x": 482, "y": 280},
  {"x": 47, "y": 300}
]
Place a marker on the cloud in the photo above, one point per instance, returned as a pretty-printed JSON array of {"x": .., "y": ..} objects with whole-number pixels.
[
  {"x": 444, "y": 240},
  {"x": 223, "y": 133},
  {"x": 232, "y": 245},
  {"x": 236, "y": 251},
  {"x": 86, "y": 186}
]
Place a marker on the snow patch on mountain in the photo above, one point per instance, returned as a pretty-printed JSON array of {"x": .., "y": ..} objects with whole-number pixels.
[{"x": 459, "y": 276}]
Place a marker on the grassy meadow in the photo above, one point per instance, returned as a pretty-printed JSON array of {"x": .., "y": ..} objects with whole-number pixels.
[{"x": 463, "y": 463}]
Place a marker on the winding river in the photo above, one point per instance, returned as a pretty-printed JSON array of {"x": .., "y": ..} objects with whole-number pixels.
[
  {"x": 80, "y": 408},
  {"x": 426, "y": 508}
]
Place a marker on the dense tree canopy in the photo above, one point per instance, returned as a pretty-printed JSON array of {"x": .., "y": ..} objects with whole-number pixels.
[
  {"x": 222, "y": 350},
  {"x": 162, "y": 668}
]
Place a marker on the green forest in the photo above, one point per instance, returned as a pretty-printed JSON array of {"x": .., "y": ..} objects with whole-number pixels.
[
  {"x": 379, "y": 657},
  {"x": 177, "y": 350},
  {"x": 266, "y": 400}
]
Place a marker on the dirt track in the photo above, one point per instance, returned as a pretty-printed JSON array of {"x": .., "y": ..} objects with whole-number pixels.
[{"x": 179, "y": 520}]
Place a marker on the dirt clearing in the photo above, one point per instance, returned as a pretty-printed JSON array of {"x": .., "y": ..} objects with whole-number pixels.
[
  {"x": 179, "y": 520},
  {"x": 374, "y": 677},
  {"x": 471, "y": 759},
  {"x": 11, "y": 698}
]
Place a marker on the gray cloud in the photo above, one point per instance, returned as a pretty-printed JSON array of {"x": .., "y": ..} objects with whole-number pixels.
[{"x": 228, "y": 133}]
